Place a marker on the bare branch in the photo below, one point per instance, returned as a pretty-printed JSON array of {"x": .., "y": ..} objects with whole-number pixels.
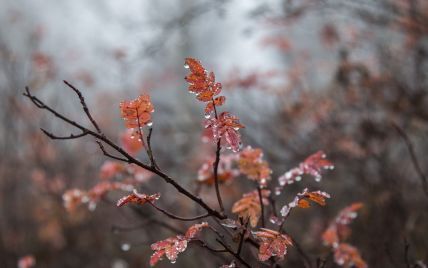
[
  {"x": 84, "y": 106},
  {"x": 415, "y": 161},
  {"x": 259, "y": 190},
  {"x": 108, "y": 154},
  {"x": 226, "y": 247},
  {"x": 216, "y": 164},
  {"x": 70, "y": 137},
  {"x": 150, "y": 151},
  {"x": 175, "y": 217}
]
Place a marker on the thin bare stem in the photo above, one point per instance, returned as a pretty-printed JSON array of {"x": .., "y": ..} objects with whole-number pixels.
[
  {"x": 241, "y": 240},
  {"x": 175, "y": 217},
  {"x": 108, "y": 154},
  {"x": 150, "y": 151},
  {"x": 406, "y": 253},
  {"x": 305, "y": 258},
  {"x": 70, "y": 137},
  {"x": 226, "y": 247},
  {"x": 215, "y": 166},
  {"x": 84, "y": 106},
  {"x": 259, "y": 190},
  {"x": 204, "y": 245},
  {"x": 415, "y": 161}
]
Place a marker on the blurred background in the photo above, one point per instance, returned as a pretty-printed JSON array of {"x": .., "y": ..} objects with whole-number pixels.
[{"x": 346, "y": 77}]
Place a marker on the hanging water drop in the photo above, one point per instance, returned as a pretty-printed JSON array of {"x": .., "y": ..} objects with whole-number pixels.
[
  {"x": 186, "y": 66},
  {"x": 125, "y": 247},
  {"x": 150, "y": 124}
]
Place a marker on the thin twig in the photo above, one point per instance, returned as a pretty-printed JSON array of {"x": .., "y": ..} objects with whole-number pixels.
[
  {"x": 84, "y": 106},
  {"x": 415, "y": 161},
  {"x": 226, "y": 247},
  {"x": 305, "y": 258},
  {"x": 150, "y": 151},
  {"x": 406, "y": 253},
  {"x": 175, "y": 217},
  {"x": 204, "y": 245},
  {"x": 216, "y": 164},
  {"x": 241, "y": 240},
  {"x": 70, "y": 137},
  {"x": 259, "y": 190},
  {"x": 108, "y": 154}
]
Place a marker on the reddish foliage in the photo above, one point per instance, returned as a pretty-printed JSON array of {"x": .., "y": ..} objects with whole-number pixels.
[
  {"x": 130, "y": 143},
  {"x": 26, "y": 262},
  {"x": 348, "y": 256},
  {"x": 338, "y": 229},
  {"x": 225, "y": 128},
  {"x": 74, "y": 198},
  {"x": 137, "y": 113},
  {"x": 172, "y": 246},
  {"x": 251, "y": 163},
  {"x": 225, "y": 170},
  {"x": 272, "y": 243},
  {"x": 201, "y": 82},
  {"x": 344, "y": 254},
  {"x": 313, "y": 165},
  {"x": 302, "y": 200},
  {"x": 249, "y": 206},
  {"x": 137, "y": 198},
  {"x": 109, "y": 169}
]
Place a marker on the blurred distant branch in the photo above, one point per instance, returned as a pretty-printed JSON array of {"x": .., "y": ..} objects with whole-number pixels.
[{"x": 414, "y": 159}]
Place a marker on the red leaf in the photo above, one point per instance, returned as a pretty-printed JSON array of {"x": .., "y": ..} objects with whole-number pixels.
[
  {"x": 272, "y": 243},
  {"x": 172, "y": 246},
  {"x": 137, "y": 113},
  {"x": 195, "y": 229},
  {"x": 313, "y": 165},
  {"x": 137, "y": 198}
]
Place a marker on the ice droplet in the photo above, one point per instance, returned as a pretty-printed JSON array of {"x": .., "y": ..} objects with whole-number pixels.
[
  {"x": 125, "y": 247},
  {"x": 207, "y": 115},
  {"x": 150, "y": 124},
  {"x": 186, "y": 66}
]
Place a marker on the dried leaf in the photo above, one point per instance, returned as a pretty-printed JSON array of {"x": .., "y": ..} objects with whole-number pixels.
[{"x": 249, "y": 206}]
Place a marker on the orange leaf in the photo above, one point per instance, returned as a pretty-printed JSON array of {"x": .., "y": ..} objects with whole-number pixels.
[{"x": 249, "y": 206}]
